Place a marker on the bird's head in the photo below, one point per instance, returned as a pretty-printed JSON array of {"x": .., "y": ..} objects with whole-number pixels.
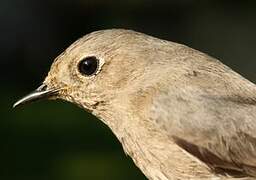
[{"x": 96, "y": 69}]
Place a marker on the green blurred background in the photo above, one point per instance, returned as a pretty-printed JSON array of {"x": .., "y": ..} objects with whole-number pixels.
[{"x": 59, "y": 141}]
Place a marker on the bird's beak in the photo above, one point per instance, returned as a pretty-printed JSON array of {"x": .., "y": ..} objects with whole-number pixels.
[{"x": 40, "y": 93}]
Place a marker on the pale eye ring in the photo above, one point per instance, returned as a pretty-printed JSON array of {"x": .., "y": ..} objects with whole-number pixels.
[{"x": 88, "y": 66}]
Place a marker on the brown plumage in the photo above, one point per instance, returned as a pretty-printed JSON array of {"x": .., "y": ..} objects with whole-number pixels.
[{"x": 179, "y": 113}]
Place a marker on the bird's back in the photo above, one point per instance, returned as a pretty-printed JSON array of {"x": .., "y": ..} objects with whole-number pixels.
[{"x": 209, "y": 111}]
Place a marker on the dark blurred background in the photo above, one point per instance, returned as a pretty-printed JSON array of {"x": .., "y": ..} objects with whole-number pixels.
[{"x": 59, "y": 141}]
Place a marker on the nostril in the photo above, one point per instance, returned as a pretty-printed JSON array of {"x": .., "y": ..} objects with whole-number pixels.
[{"x": 43, "y": 87}]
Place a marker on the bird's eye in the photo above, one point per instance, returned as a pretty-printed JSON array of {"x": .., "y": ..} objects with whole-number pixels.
[{"x": 88, "y": 66}]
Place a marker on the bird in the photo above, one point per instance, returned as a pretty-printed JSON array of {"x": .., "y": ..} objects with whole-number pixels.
[{"x": 178, "y": 112}]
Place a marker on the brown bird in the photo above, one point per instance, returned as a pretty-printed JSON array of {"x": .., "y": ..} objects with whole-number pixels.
[{"x": 179, "y": 113}]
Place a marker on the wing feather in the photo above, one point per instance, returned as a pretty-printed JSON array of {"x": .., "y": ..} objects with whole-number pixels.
[{"x": 212, "y": 115}]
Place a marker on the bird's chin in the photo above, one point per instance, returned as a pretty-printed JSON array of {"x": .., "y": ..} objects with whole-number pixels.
[
  {"x": 53, "y": 98},
  {"x": 87, "y": 107}
]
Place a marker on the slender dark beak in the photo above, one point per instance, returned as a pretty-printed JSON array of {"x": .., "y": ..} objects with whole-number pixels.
[{"x": 40, "y": 93}]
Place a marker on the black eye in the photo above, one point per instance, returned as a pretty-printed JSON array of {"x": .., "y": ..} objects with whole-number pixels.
[{"x": 88, "y": 66}]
